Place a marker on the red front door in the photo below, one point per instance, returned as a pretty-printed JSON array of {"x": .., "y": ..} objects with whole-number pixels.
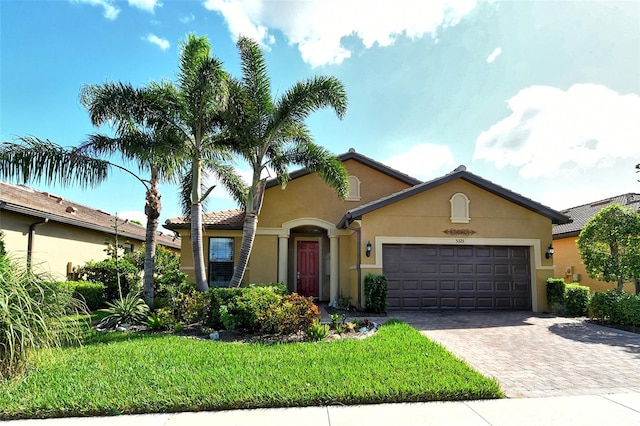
[{"x": 307, "y": 272}]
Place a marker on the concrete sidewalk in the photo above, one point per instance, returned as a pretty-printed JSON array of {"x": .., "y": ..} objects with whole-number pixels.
[{"x": 619, "y": 409}]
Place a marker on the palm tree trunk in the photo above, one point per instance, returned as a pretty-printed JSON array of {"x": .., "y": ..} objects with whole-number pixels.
[
  {"x": 196, "y": 246},
  {"x": 248, "y": 232},
  {"x": 248, "y": 235},
  {"x": 152, "y": 211}
]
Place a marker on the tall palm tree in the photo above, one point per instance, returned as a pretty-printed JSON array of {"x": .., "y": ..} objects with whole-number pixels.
[
  {"x": 272, "y": 133},
  {"x": 191, "y": 111}
]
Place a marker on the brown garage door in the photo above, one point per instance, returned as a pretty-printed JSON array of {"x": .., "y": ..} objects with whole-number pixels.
[{"x": 457, "y": 277}]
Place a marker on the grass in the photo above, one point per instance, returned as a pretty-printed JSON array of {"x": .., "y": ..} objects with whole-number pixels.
[{"x": 138, "y": 373}]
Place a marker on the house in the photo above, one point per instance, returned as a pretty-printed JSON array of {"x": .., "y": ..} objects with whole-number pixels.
[
  {"x": 59, "y": 235},
  {"x": 458, "y": 241},
  {"x": 568, "y": 264}
]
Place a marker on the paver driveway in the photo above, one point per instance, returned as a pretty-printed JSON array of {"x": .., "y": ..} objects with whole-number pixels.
[{"x": 537, "y": 355}]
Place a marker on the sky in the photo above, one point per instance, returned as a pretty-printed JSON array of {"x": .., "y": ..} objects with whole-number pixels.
[{"x": 540, "y": 97}]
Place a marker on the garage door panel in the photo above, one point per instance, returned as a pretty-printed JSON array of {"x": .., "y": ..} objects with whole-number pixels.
[{"x": 457, "y": 277}]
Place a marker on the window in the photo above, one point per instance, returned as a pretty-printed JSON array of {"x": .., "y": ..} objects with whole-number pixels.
[
  {"x": 459, "y": 208},
  {"x": 220, "y": 261},
  {"x": 354, "y": 189}
]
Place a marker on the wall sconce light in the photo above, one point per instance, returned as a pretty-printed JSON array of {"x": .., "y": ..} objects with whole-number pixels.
[
  {"x": 368, "y": 249},
  {"x": 550, "y": 251}
]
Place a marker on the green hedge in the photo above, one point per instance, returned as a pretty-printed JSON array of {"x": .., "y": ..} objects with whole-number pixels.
[
  {"x": 375, "y": 293},
  {"x": 567, "y": 299},
  {"x": 615, "y": 307}
]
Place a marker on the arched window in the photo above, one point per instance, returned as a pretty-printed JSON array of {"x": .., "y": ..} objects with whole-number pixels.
[
  {"x": 354, "y": 189},
  {"x": 459, "y": 208}
]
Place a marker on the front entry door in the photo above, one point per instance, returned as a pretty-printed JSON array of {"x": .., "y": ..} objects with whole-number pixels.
[{"x": 307, "y": 272}]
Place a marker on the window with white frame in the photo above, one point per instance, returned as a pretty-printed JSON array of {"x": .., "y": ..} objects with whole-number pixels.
[
  {"x": 459, "y": 208},
  {"x": 221, "y": 250}
]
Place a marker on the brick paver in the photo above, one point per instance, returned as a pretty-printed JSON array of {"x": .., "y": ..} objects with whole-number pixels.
[{"x": 537, "y": 355}]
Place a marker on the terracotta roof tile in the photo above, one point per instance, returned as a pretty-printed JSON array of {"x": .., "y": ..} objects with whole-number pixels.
[
  {"x": 581, "y": 214},
  {"x": 25, "y": 200},
  {"x": 231, "y": 219}
]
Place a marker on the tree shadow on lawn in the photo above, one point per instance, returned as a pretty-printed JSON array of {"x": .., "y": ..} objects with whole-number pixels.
[{"x": 587, "y": 332}]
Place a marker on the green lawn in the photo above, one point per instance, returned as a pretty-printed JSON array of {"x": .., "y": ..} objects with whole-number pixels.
[{"x": 137, "y": 373}]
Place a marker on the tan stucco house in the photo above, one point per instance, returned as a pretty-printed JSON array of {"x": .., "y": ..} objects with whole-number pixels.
[
  {"x": 57, "y": 235},
  {"x": 568, "y": 264},
  {"x": 458, "y": 241}
]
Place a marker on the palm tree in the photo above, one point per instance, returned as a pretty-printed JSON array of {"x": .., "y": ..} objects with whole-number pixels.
[
  {"x": 152, "y": 152},
  {"x": 191, "y": 112},
  {"x": 272, "y": 133},
  {"x": 34, "y": 160}
]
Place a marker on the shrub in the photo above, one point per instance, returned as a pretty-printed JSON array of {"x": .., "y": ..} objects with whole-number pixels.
[
  {"x": 168, "y": 286},
  {"x": 292, "y": 313},
  {"x": 131, "y": 309},
  {"x": 317, "y": 331},
  {"x": 190, "y": 306},
  {"x": 219, "y": 297},
  {"x": 29, "y": 316},
  {"x": 601, "y": 304},
  {"x": 375, "y": 293},
  {"x": 157, "y": 322},
  {"x": 92, "y": 294},
  {"x": 243, "y": 312},
  {"x": 626, "y": 310},
  {"x": 576, "y": 300},
  {"x": 57, "y": 298},
  {"x": 106, "y": 272},
  {"x": 556, "y": 288}
]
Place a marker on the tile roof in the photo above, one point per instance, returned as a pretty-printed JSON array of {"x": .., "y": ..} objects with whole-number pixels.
[
  {"x": 28, "y": 201},
  {"x": 462, "y": 173},
  {"x": 581, "y": 214},
  {"x": 227, "y": 219}
]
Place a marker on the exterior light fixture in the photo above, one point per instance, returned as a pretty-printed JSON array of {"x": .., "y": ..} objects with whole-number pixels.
[
  {"x": 550, "y": 251},
  {"x": 368, "y": 249}
]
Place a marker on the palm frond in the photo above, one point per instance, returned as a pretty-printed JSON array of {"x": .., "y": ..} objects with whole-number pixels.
[{"x": 33, "y": 159}]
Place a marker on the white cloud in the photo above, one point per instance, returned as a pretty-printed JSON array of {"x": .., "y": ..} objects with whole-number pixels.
[
  {"x": 134, "y": 215},
  {"x": 110, "y": 11},
  {"x": 318, "y": 26},
  {"x": 146, "y": 5},
  {"x": 423, "y": 161},
  {"x": 160, "y": 42},
  {"x": 187, "y": 19},
  {"x": 551, "y": 131},
  {"x": 496, "y": 52}
]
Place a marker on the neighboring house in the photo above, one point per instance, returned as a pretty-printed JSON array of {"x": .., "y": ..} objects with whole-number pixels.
[
  {"x": 568, "y": 264},
  {"x": 458, "y": 241},
  {"x": 57, "y": 235}
]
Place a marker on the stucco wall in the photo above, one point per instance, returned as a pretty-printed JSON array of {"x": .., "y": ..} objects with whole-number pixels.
[
  {"x": 55, "y": 244},
  {"x": 567, "y": 263}
]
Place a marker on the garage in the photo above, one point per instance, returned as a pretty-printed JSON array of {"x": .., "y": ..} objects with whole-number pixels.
[{"x": 457, "y": 276}]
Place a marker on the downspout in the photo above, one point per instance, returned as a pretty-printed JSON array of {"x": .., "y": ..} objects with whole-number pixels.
[
  {"x": 32, "y": 233},
  {"x": 358, "y": 261}
]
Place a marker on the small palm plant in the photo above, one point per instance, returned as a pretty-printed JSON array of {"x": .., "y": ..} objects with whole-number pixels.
[{"x": 130, "y": 309}]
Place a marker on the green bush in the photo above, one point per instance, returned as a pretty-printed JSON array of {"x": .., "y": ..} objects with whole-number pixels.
[
  {"x": 218, "y": 297},
  {"x": 243, "y": 312},
  {"x": 601, "y": 304},
  {"x": 576, "y": 299},
  {"x": 556, "y": 289},
  {"x": 190, "y": 306},
  {"x": 375, "y": 293},
  {"x": 626, "y": 310},
  {"x": 106, "y": 272},
  {"x": 91, "y": 293},
  {"x": 57, "y": 299}
]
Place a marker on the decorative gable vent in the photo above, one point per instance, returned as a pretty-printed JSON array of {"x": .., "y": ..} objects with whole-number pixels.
[{"x": 459, "y": 208}]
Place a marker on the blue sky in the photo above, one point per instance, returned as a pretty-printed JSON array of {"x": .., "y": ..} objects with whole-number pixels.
[{"x": 540, "y": 97}]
